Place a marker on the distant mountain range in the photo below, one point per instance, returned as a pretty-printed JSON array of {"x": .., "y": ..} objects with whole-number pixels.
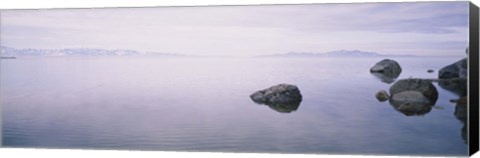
[
  {"x": 338, "y": 53},
  {"x": 7, "y": 51},
  {"x": 12, "y": 52}
]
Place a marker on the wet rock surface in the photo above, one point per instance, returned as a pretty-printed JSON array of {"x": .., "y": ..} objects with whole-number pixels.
[
  {"x": 283, "y": 98},
  {"x": 418, "y": 96},
  {"x": 382, "y": 96},
  {"x": 415, "y": 84},
  {"x": 386, "y": 70},
  {"x": 413, "y": 96},
  {"x": 387, "y": 66},
  {"x": 455, "y": 70}
]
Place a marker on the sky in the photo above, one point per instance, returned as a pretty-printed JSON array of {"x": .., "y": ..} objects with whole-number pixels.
[{"x": 422, "y": 28}]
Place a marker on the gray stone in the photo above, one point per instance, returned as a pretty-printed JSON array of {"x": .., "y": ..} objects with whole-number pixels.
[
  {"x": 386, "y": 70},
  {"x": 455, "y": 70},
  {"x": 423, "y": 86},
  {"x": 382, "y": 96},
  {"x": 413, "y": 96},
  {"x": 282, "y": 98}
]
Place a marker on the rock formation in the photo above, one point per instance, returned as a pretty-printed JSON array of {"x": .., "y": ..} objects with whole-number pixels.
[
  {"x": 382, "y": 96},
  {"x": 413, "y": 96},
  {"x": 283, "y": 98},
  {"x": 455, "y": 70},
  {"x": 386, "y": 70}
]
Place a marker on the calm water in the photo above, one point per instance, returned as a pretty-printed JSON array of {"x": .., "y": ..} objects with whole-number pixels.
[{"x": 203, "y": 105}]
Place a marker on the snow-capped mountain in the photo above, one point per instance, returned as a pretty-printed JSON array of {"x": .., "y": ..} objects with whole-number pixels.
[
  {"x": 337, "y": 53},
  {"x": 351, "y": 53},
  {"x": 7, "y": 51}
]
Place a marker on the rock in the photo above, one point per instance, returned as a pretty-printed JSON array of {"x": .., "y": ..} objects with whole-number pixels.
[
  {"x": 455, "y": 70},
  {"x": 430, "y": 71},
  {"x": 282, "y": 98},
  {"x": 466, "y": 51},
  {"x": 386, "y": 66},
  {"x": 413, "y": 96},
  {"x": 387, "y": 70},
  {"x": 382, "y": 96},
  {"x": 415, "y": 84},
  {"x": 411, "y": 103}
]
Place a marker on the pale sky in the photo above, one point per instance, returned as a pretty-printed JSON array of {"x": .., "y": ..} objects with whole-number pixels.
[{"x": 423, "y": 28}]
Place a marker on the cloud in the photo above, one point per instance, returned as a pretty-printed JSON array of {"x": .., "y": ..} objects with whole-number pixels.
[{"x": 243, "y": 30}]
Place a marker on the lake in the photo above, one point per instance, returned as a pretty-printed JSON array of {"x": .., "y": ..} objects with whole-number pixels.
[{"x": 203, "y": 104}]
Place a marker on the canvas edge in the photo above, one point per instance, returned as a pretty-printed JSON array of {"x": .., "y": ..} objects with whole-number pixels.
[
  {"x": 473, "y": 102},
  {"x": 473, "y": 67}
]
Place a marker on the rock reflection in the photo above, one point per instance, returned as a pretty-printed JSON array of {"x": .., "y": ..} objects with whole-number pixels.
[
  {"x": 461, "y": 114},
  {"x": 412, "y": 105},
  {"x": 454, "y": 85},
  {"x": 459, "y": 87},
  {"x": 418, "y": 96},
  {"x": 287, "y": 108},
  {"x": 385, "y": 78},
  {"x": 453, "y": 78}
]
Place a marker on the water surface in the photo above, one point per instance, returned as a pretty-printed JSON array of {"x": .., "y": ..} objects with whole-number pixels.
[{"x": 203, "y": 104}]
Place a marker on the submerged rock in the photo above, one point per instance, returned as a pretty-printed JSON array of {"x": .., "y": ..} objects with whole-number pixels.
[
  {"x": 382, "y": 96},
  {"x": 415, "y": 84},
  {"x": 413, "y": 96},
  {"x": 282, "y": 98},
  {"x": 455, "y": 70},
  {"x": 386, "y": 70},
  {"x": 430, "y": 71}
]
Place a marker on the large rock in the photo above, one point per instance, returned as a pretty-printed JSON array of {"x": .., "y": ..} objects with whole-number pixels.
[
  {"x": 423, "y": 86},
  {"x": 283, "y": 98},
  {"x": 386, "y": 70},
  {"x": 455, "y": 70},
  {"x": 413, "y": 96}
]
